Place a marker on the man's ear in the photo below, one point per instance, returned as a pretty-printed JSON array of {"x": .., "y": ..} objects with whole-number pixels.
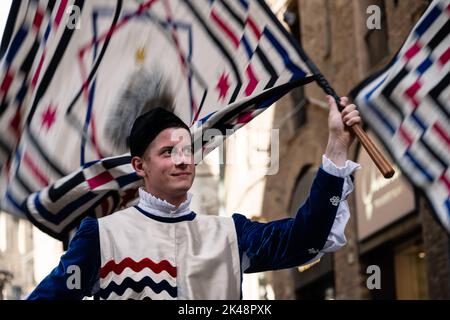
[{"x": 138, "y": 165}]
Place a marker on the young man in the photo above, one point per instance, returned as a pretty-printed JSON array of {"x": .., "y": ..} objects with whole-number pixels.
[{"x": 160, "y": 249}]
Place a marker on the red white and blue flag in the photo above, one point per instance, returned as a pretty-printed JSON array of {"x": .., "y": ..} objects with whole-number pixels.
[
  {"x": 408, "y": 106},
  {"x": 75, "y": 74}
]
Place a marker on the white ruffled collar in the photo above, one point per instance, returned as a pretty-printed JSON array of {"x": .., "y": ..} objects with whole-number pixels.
[{"x": 162, "y": 208}]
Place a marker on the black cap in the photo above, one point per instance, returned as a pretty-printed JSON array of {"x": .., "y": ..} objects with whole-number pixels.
[{"x": 148, "y": 125}]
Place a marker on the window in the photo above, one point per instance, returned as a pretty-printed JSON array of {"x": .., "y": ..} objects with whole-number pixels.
[
  {"x": 22, "y": 237},
  {"x": 403, "y": 270},
  {"x": 410, "y": 271},
  {"x": 292, "y": 18},
  {"x": 3, "y": 243}
]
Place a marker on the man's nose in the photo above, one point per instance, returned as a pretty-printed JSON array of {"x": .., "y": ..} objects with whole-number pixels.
[{"x": 180, "y": 158}]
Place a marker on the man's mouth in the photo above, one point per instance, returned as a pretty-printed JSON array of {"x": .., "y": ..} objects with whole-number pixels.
[{"x": 181, "y": 174}]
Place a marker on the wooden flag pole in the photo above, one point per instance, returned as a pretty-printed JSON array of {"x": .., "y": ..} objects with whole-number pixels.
[{"x": 375, "y": 154}]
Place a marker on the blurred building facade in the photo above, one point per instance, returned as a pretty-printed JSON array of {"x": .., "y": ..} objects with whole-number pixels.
[
  {"x": 15, "y": 244},
  {"x": 391, "y": 229},
  {"x": 27, "y": 255}
]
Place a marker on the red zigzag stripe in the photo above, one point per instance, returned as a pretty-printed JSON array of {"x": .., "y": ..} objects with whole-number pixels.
[{"x": 137, "y": 266}]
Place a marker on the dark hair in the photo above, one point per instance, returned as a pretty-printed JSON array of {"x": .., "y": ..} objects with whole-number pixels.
[{"x": 147, "y": 126}]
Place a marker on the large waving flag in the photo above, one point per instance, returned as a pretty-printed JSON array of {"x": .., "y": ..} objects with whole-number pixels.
[
  {"x": 408, "y": 106},
  {"x": 75, "y": 74}
]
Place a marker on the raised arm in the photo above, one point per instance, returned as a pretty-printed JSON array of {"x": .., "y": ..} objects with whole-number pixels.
[{"x": 319, "y": 224}]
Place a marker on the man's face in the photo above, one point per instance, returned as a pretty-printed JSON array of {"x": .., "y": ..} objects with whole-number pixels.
[{"x": 167, "y": 165}]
